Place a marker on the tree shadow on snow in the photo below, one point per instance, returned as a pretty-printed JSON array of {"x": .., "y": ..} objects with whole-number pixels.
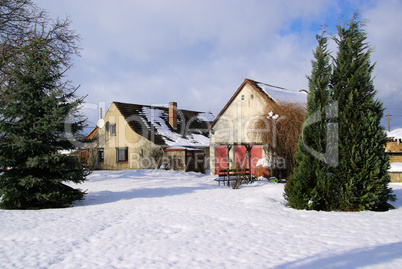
[
  {"x": 357, "y": 258},
  {"x": 398, "y": 202},
  {"x": 104, "y": 175},
  {"x": 106, "y": 197}
]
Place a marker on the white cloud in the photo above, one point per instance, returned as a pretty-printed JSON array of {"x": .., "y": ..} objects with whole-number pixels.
[
  {"x": 198, "y": 52},
  {"x": 384, "y": 30}
]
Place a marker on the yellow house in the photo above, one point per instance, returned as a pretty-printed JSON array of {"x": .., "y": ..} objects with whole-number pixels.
[
  {"x": 231, "y": 136},
  {"x": 133, "y": 136},
  {"x": 394, "y": 145},
  {"x": 394, "y": 149}
]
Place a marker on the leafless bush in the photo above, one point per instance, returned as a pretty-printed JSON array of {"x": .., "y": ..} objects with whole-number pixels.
[
  {"x": 284, "y": 121},
  {"x": 241, "y": 176},
  {"x": 156, "y": 156}
]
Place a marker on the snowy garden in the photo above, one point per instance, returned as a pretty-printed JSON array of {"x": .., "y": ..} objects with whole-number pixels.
[
  {"x": 169, "y": 219},
  {"x": 147, "y": 218}
]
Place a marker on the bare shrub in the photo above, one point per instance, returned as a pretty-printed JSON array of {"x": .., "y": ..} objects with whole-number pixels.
[
  {"x": 242, "y": 176},
  {"x": 285, "y": 121},
  {"x": 156, "y": 156}
]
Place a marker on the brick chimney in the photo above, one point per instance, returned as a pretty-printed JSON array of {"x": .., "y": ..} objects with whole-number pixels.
[{"x": 173, "y": 114}]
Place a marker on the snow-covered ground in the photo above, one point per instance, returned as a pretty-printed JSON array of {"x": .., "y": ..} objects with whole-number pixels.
[{"x": 163, "y": 219}]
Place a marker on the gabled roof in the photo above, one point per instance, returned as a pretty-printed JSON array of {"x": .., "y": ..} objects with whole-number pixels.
[
  {"x": 92, "y": 133},
  {"x": 152, "y": 122},
  {"x": 395, "y": 134},
  {"x": 268, "y": 92},
  {"x": 279, "y": 95}
]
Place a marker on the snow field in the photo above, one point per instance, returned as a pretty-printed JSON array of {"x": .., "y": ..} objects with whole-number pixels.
[{"x": 168, "y": 219}]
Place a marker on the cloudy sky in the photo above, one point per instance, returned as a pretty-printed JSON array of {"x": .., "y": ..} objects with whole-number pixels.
[{"x": 198, "y": 52}]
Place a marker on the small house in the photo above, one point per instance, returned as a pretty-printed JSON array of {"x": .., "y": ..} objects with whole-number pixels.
[
  {"x": 394, "y": 149},
  {"x": 394, "y": 145},
  {"x": 134, "y": 136},
  {"x": 231, "y": 134}
]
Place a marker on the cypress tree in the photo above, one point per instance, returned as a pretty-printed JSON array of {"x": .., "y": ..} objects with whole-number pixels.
[
  {"x": 36, "y": 104},
  {"x": 309, "y": 186},
  {"x": 352, "y": 175},
  {"x": 362, "y": 171}
]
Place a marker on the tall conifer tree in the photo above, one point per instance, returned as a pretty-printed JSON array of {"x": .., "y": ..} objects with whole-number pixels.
[
  {"x": 309, "y": 187},
  {"x": 362, "y": 172},
  {"x": 353, "y": 174},
  {"x": 36, "y": 106}
]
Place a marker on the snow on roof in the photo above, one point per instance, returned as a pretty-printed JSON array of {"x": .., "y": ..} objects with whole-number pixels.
[
  {"x": 396, "y": 167},
  {"x": 172, "y": 138},
  {"x": 182, "y": 148},
  {"x": 66, "y": 151},
  {"x": 279, "y": 94},
  {"x": 206, "y": 116},
  {"x": 191, "y": 131},
  {"x": 395, "y": 134}
]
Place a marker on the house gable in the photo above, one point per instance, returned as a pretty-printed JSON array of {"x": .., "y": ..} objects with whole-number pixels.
[
  {"x": 238, "y": 116},
  {"x": 268, "y": 93},
  {"x": 236, "y": 94},
  {"x": 122, "y": 147}
]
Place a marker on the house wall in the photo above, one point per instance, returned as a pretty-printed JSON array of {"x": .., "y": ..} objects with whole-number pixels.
[
  {"x": 396, "y": 177},
  {"x": 177, "y": 160},
  {"x": 139, "y": 148},
  {"x": 395, "y": 158},
  {"x": 235, "y": 125},
  {"x": 395, "y": 150},
  {"x": 186, "y": 160},
  {"x": 195, "y": 161}
]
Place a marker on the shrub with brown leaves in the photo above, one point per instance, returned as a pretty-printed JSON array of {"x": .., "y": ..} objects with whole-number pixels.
[{"x": 282, "y": 124}]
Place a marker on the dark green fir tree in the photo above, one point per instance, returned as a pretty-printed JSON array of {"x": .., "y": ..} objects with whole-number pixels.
[
  {"x": 36, "y": 107},
  {"x": 310, "y": 185},
  {"x": 362, "y": 171}
]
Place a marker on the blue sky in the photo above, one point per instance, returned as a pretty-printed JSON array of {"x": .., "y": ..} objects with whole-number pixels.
[{"x": 198, "y": 52}]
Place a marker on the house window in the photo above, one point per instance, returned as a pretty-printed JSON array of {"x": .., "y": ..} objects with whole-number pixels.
[
  {"x": 252, "y": 96},
  {"x": 121, "y": 155},
  {"x": 242, "y": 97},
  {"x": 113, "y": 129},
  {"x": 100, "y": 155}
]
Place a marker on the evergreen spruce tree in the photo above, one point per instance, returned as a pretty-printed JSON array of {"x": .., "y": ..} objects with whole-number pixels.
[
  {"x": 362, "y": 172},
  {"x": 358, "y": 179},
  {"x": 35, "y": 106},
  {"x": 310, "y": 186}
]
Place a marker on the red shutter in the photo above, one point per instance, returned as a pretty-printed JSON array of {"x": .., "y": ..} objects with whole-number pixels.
[
  {"x": 221, "y": 159},
  {"x": 240, "y": 156}
]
